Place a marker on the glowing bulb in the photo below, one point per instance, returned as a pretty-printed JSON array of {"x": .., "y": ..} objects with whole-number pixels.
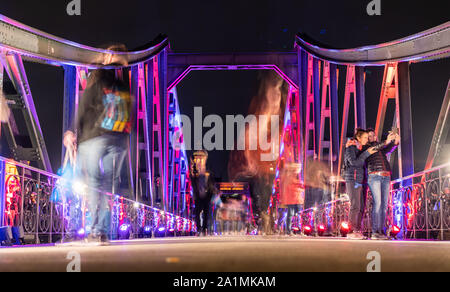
[{"x": 79, "y": 188}]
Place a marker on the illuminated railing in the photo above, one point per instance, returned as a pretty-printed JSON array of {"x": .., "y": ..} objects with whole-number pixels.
[
  {"x": 26, "y": 202},
  {"x": 418, "y": 205}
]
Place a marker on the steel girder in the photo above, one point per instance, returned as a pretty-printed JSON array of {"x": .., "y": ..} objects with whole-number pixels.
[
  {"x": 24, "y": 101},
  {"x": 428, "y": 45},
  {"x": 441, "y": 131}
]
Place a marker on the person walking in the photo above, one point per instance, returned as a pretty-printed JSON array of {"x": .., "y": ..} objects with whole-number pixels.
[
  {"x": 103, "y": 126},
  {"x": 203, "y": 191},
  {"x": 292, "y": 195}
]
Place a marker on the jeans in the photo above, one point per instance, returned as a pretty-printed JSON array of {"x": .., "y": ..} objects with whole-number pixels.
[
  {"x": 379, "y": 187},
  {"x": 357, "y": 197},
  {"x": 292, "y": 210},
  {"x": 100, "y": 160}
]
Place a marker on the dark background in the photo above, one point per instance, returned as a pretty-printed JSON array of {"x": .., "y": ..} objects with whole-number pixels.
[{"x": 198, "y": 26}]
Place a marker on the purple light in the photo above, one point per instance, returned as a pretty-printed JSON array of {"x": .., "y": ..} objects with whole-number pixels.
[
  {"x": 81, "y": 232},
  {"x": 147, "y": 228},
  {"x": 124, "y": 227},
  {"x": 161, "y": 229}
]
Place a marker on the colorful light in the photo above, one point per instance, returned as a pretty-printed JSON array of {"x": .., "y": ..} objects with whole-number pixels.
[
  {"x": 148, "y": 231},
  {"x": 395, "y": 230},
  {"x": 124, "y": 231},
  {"x": 307, "y": 230},
  {"x": 321, "y": 229},
  {"x": 345, "y": 228},
  {"x": 81, "y": 232}
]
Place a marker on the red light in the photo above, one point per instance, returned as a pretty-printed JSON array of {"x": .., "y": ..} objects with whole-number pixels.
[
  {"x": 395, "y": 230},
  {"x": 321, "y": 229},
  {"x": 307, "y": 230},
  {"x": 345, "y": 229}
]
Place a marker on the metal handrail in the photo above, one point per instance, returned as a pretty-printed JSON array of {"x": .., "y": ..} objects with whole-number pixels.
[
  {"x": 38, "y": 46},
  {"x": 37, "y": 187},
  {"x": 428, "y": 45}
]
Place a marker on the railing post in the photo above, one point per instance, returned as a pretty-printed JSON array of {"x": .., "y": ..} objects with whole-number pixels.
[
  {"x": 441, "y": 214},
  {"x": 426, "y": 209},
  {"x": 38, "y": 193},
  {"x": 22, "y": 199},
  {"x": 2, "y": 193}
]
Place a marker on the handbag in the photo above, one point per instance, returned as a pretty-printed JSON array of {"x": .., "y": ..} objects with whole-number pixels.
[{"x": 63, "y": 186}]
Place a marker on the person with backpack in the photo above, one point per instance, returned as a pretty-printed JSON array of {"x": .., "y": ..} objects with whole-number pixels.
[
  {"x": 103, "y": 127},
  {"x": 354, "y": 175}
]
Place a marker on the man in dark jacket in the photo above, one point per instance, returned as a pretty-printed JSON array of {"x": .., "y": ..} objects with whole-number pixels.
[
  {"x": 379, "y": 180},
  {"x": 203, "y": 190}
]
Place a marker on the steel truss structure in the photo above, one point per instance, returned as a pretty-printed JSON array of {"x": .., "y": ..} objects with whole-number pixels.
[{"x": 158, "y": 169}]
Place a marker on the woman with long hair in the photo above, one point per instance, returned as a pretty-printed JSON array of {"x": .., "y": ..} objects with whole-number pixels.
[
  {"x": 354, "y": 175},
  {"x": 248, "y": 164}
]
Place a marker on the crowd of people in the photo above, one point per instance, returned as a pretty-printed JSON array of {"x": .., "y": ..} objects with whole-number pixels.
[{"x": 103, "y": 126}]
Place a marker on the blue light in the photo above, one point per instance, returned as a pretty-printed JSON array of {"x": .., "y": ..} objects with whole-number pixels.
[{"x": 147, "y": 228}]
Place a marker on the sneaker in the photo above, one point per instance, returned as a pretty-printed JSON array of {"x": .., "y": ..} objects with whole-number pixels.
[
  {"x": 378, "y": 236},
  {"x": 93, "y": 238},
  {"x": 67, "y": 239},
  {"x": 104, "y": 240},
  {"x": 355, "y": 236}
]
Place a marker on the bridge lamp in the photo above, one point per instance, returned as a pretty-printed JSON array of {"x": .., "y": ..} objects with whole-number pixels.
[
  {"x": 124, "y": 231},
  {"x": 321, "y": 229},
  {"x": 161, "y": 231},
  {"x": 345, "y": 229},
  {"x": 395, "y": 230},
  {"x": 81, "y": 233},
  {"x": 147, "y": 231},
  {"x": 307, "y": 230}
]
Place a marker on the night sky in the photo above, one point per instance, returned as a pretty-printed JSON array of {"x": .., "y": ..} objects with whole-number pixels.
[{"x": 235, "y": 26}]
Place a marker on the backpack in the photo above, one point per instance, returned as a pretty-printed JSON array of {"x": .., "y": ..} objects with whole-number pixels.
[{"x": 116, "y": 116}]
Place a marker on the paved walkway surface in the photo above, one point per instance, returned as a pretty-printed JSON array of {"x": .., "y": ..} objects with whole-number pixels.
[{"x": 232, "y": 254}]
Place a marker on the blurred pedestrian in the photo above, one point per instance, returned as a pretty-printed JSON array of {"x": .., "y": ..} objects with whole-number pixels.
[
  {"x": 103, "y": 126},
  {"x": 204, "y": 190}
]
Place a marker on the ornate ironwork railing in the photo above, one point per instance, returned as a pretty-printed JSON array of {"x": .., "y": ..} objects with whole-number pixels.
[
  {"x": 418, "y": 205},
  {"x": 26, "y": 202}
]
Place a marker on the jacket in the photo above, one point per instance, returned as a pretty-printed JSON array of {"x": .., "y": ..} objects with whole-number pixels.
[
  {"x": 378, "y": 161},
  {"x": 203, "y": 186},
  {"x": 91, "y": 106},
  {"x": 354, "y": 164}
]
